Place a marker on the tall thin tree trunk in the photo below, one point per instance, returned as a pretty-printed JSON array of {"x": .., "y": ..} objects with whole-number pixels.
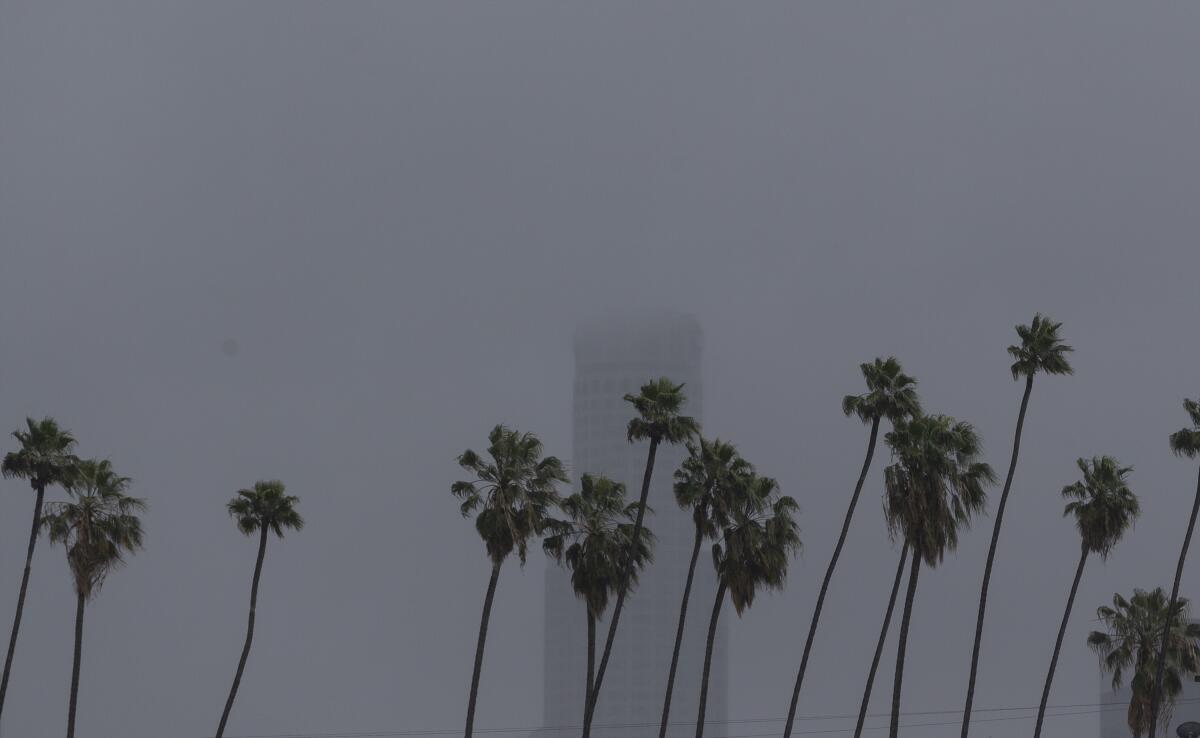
[
  {"x": 241, "y": 667},
  {"x": 12, "y": 640},
  {"x": 1160, "y": 665},
  {"x": 712, "y": 636},
  {"x": 591, "y": 653},
  {"x": 591, "y": 700},
  {"x": 1062, "y": 629},
  {"x": 837, "y": 552},
  {"x": 894, "y": 730},
  {"x": 483, "y": 626},
  {"x": 987, "y": 568},
  {"x": 887, "y": 621},
  {"x": 687, "y": 593},
  {"x": 80, "y": 601}
]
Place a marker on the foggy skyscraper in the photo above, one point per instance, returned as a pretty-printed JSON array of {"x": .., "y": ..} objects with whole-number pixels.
[{"x": 614, "y": 357}]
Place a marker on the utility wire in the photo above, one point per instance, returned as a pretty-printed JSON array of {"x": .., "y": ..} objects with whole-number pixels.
[{"x": 1091, "y": 709}]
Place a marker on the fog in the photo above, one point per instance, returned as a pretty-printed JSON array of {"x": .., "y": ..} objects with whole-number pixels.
[{"x": 334, "y": 243}]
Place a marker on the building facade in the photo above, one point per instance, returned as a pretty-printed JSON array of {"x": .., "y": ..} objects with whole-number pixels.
[{"x": 614, "y": 357}]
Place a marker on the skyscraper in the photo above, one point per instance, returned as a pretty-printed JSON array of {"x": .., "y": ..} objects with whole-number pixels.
[{"x": 614, "y": 357}]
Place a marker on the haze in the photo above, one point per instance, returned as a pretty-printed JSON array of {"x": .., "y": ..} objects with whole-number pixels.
[{"x": 334, "y": 243}]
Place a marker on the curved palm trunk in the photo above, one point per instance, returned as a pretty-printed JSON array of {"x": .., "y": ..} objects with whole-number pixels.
[
  {"x": 80, "y": 601},
  {"x": 241, "y": 667},
  {"x": 1062, "y": 629},
  {"x": 12, "y": 640},
  {"x": 987, "y": 568},
  {"x": 887, "y": 621},
  {"x": 712, "y": 635},
  {"x": 1160, "y": 665},
  {"x": 837, "y": 552},
  {"x": 483, "y": 626},
  {"x": 687, "y": 593},
  {"x": 591, "y": 699},
  {"x": 894, "y": 730},
  {"x": 591, "y": 652}
]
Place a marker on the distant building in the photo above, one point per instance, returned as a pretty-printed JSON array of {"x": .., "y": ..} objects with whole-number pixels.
[{"x": 614, "y": 357}]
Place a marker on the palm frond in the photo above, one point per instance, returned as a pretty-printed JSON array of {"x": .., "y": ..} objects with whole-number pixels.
[
  {"x": 1103, "y": 505},
  {"x": 758, "y": 540},
  {"x": 595, "y": 539},
  {"x": 267, "y": 506},
  {"x": 1186, "y": 441},
  {"x": 658, "y": 406},
  {"x": 1128, "y": 647},
  {"x": 890, "y": 394},
  {"x": 1041, "y": 349},
  {"x": 936, "y": 485},
  {"x": 513, "y": 491},
  {"x": 45, "y": 455},
  {"x": 98, "y": 527}
]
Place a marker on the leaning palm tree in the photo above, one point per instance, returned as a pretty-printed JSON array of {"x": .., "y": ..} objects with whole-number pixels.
[
  {"x": 1041, "y": 350},
  {"x": 933, "y": 488},
  {"x": 887, "y": 622},
  {"x": 1184, "y": 442},
  {"x": 703, "y": 484},
  {"x": 658, "y": 421},
  {"x": 1129, "y": 646},
  {"x": 1104, "y": 508},
  {"x": 44, "y": 458},
  {"x": 752, "y": 553},
  {"x": 263, "y": 509},
  {"x": 511, "y": 496},
  {"x": 891, "y": 394},
  {"x": 98, "y": 527},
  {"x": 592, "y": 543}
]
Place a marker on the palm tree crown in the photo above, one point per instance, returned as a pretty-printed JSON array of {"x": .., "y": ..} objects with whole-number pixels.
[
  {"x": 890, "y": 394},
  {"x": 658, "y": 405},
  {"x": 758, "y": 541},
  {"x": 46, "y": 455},
  {"x": 1102, "y": 503},
  {"x": 1186, "y": 441},
  {"x": 1041, "y": 349},
  {"x": 265, "y": 506},
  {"x": 935, "y": 484},
  {"x": 513, "y": 492},
  {"x": 1130, "y": 646},
  {"x": 98, "y": 527},
  {"x": 705, "y": 481},
  {"x": 595, "y": 538}
]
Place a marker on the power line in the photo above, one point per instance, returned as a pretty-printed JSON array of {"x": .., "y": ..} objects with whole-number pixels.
[{"x": 1093, "y": 708}]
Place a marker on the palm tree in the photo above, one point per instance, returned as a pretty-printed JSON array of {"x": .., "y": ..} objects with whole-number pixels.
[
  {"x": 1130, "y": 644},
  {"x": 703, "y": 484},
  {"x": 511, "y": 497},
  {"x": 1184, "y": 442},
  {"x": 890, "y": 394},
  {"x": 593, "y": 543},
  {"x": 887, "y": 622},
  {"x": 97, "y": 529},
  {"x": 1104, "y": 508},
  {"x": 658, "y": 421},
  {"x": 265, "y": 508},
  {"x": 44, "y": 458},
  {"x": 753, "y": 552},
  {"x": 1041, "y": 350},
  {"x": 934, "y": 487}
]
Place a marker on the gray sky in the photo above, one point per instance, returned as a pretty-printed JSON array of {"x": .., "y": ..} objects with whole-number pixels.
[{"x": 400, "y": 210}]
